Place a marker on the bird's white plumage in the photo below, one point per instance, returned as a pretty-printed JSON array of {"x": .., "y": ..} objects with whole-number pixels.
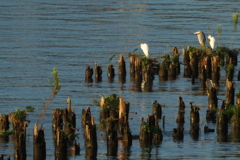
[
  {"x": 211, "y": 41},
  {"x": 144, "y": 47}
]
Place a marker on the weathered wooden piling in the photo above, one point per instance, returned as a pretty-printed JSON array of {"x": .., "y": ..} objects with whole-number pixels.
[
  {"x": 194, "y": 121},
  {"x": 176, "y": 60},
  {"x": 194, "y": 64},
  {"x": 215, "y": 70},
  {"x": 172, "y": 74},
  {"x": 222, "y": 125},
  {"x": 61, "y": 146},
  {"x": 123, "y": 114},
  {"x": 150, "y": 131},
  {"x": 230, "y": 93},
  {"x": 111, "y": 73},
  {"x": 4, "y": 122},
  {"x": 109, "y": 108},
  {"x": 90, "y": 134},
  {"x": 98, "y": 73},
  {"x": 148, "y": 73},
  {"x": 186, "y": 60},
  {"x": 178, "y": 133},
  {"x": 57, "y": 121},
  {"x": 112, "y": 138},
  {"x": 39, "y": 150},
  {"x": 122, "y": 69},
  {"x": 157, "y": 110},
  {"x": 212, "y": 104},
  {"x": 88, "y": 75},
  {"x": 19, "y": 122}
]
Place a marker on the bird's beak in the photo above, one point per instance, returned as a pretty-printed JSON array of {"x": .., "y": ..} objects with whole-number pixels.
[
  {"x": 139, "y": 45},
  {"x": 195, "y": 33}
]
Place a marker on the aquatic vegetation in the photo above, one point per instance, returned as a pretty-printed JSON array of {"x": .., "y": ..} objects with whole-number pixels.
[
  {"x": 219, "y": 28},
  {"x": 56, "y": 84},
  {"x": 235, "y": 20},
  {"x": 6, "y": 132},
  {"x": 29, "y": 108},
  {"x": 18, "y": 116}
]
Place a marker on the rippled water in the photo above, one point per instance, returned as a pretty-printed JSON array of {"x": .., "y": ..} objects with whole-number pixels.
[{"x": 69, "y": 35}]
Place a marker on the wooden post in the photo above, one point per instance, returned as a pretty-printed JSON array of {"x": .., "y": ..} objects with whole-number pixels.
[
  {"x": 39, "y": 143},
  {"x": 112, "y": 138},
  {"x": 61, "y": 145},
  {"x": 88, "y": 75},
  {"x": 172, "y": 74},
  {"x": 157, "y": 109},
  {"x": 187, "y": 67},
  {"x": 194, "y": 65},
  {"x": 212, "y": 104},
  {"x": 176, "y": 59},
  {"x": 4, "y": 125},
  {"x": 90, "y": 134},
  {"x": 122, "y": 69},
  {"x": 98, "y": 73},
  {"x": 194, "y": 121},
  {"x": 215, "y": 70},
  {"x": 111, "y": 73},
  {"x": 230, "y": 91}
]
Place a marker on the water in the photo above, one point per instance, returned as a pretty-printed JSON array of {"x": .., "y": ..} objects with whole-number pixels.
[{"x": 70, "y": 35}]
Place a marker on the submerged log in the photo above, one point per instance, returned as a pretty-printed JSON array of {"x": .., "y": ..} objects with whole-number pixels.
[{"x": 39, "y": 143}]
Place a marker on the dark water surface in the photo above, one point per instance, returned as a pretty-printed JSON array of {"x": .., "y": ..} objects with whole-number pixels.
[{"x": 71, "y": 34}]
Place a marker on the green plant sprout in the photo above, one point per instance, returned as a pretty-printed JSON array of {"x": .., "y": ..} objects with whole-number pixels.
[
  {"x": 55, "y": 89},
  {"x": 235, "y": 20},
  {"x": 219, "y": 28}
]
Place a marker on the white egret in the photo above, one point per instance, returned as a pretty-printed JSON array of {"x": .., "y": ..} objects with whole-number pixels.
[
  {"x": 211, "y": 41},
  {"x": 144, "y": 47},
  {"x": 201, "y": 37}
]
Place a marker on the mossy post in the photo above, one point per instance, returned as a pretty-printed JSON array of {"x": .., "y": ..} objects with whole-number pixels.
[
  {"x": 98, "y": 73},
  {"x": 122, "y": 69},
  {"x": 157, "y": 109},
  {"x": 149, "y": 132},
  {"x": 39, "y": 151},
  {"x": 18, "y": 119},
  {"x": 4, "y": 123},
  {"x": 88, "y": 75},
  {"x": 212, "y": 104},
  {"x": 187, "y": 67},
  {"x": 176, "y": 60}
]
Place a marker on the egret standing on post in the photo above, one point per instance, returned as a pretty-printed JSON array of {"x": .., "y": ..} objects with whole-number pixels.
[
  {"x": 211, "y": 41},
  {"x": 144, "y": 48},
  {"x": 201, "y": 37}
]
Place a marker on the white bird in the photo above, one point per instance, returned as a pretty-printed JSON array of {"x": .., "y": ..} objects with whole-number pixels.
[
  {"x": 211, "y": 41},
  {"x": 201, "y": 37},
  {"x": 145, "y": 49}
]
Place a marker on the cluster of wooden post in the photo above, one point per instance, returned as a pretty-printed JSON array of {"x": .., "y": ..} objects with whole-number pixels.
[
  {"x": 142, "y": 70},
  {"x": 64, "y": 127}
]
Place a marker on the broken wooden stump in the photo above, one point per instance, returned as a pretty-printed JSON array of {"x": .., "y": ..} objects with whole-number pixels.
[
  {"x": 186, "y": 60},
  {"x": 19, "y": 122},
  {"x": 109, "y": 108},
  {"x": 57, "y": 121},
  {"x": 176, "y": 61},
  {"x": 178, "y": 133},
  {"x": 212, "y": 104},
  {"x": 98, "y": 73},
  {"x": 230, "y": 93},
  {"x": 215, "y": 70},
  {"x": 122, "y": 69},
  {"x": 150, "y": 132},
  {"x": 111, "y": 73},
  {"x": 123, "y": 115},
  {"x": 61, "y": 145},
  {"x": 39, "y": 151},
  {"x": 112, "y": 137},
  {"x": 88, "y": 75},
  {"x": 157, "y": 110},
  {"x": 194, "y": 121}
]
